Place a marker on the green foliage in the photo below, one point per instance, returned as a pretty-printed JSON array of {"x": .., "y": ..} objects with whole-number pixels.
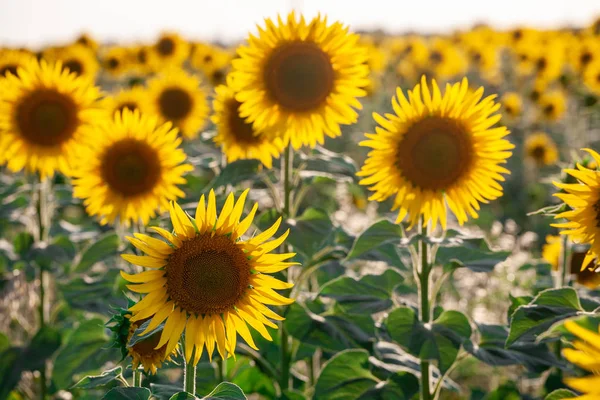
[
  {"x": 106, "y": 377},
  {"x": 128, "y": 393},
  {"x": 561, "y": 394},
  {"x": 226, "y": 391}
]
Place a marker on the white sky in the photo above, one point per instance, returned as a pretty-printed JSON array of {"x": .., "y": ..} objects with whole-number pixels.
[{"x": 37, "y": 22}]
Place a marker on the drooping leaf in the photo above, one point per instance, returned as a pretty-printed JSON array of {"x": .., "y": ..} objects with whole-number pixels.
[
  {"x": 104, "y": 378},
  {"x": 322, "y": 162},
  {"x": 98, "y": 250},
  {"x": 346, "y": 376},
  {"x": 547, "y": 308},
  {"x": 236, "y": 172},
  {"x": 183, "y": 396},
  {"x": 226, "y": 391},
  {"x": 311, "y": 232},
  {"x": 127, "y": 393},
  {"x": 370, "y": 294},
  {"x": 472, "y": 253},
  {"x": 561, "y": 394},
  {"x": 380, "y": 233}
]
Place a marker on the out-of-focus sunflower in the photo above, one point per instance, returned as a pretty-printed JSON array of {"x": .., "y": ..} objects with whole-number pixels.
[
  {"x": 78, "y": 59},
  {"x": 237, "y": 137},
  {"x": 178, "y": 97},
  {"x": 551, "y": 251},
  {"x": 129, "y": 168},
  {"x": 548, "y": 64},
  {"x": 300, "y": 80},
  {"x": 444, "y": 59},
  {"x": 207, "y": 280},
  {"x": 143, "y": 352},
  {"x": 88, "y": 41},
  {"x": 437, "y": 150},
  {"x": 206, "y": 57},
  {"x": 585, "y": 52},
  {"x": 583, "y": 198},
  {"x": 591, "y": 77},
  {"x": 11, "y": 60},
  {"x": 140, "y": 59},
  {"x": 170, "y": 50},
  {"x": 585, "y": 354},
  {"x": 483, "y": 57},
  {"x": 512, "y": 104},
  {"x": 585, "y": 275},
  {"x": 552, "y": 105},
  {"x": 115, "y": 61},
  {"x": 130, "y": 99},
  {"x": 540, "y": 148},
  {"x": 43, "y": 112}
]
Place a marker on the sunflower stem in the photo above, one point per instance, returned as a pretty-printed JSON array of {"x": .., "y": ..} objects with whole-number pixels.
[
  {"x": 424, "y": 305},
  {"x": 222, "y": 369},
  {"x": 189, "y": 377},
  {"x": 288, "y": 159},
  {"x": 562, "y": 279},
  {"x": 137, "y": 378}
]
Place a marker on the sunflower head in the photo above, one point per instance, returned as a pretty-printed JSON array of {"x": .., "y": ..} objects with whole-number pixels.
[
  {"x": 512, "y": 104},
  {"x": 43, "y": 113},
  {"x": 552, "y": 105},
  {"x": 88, "y": 41},
  {"x": 551, "y": 251},
  {"x": 587, "y": 275},
  {"x": 11, "y": 60},
  {"x": 591, "y": 77},
  {"x": 586, "y": 355},
  {"x": 237, "y": 138},
  {"x": 583, "y": 219},
  {"x": 129, "y": 168},
  {"x": 115, "y": 61},
  {"x": 178, "y": 97},
  {"x": 169, "y": 50},
  {"x": 540, "y": 148},
  {"x": 300, "y": 80},
  {"x": 129, "y": 99},
  {"x": 208, "y": 280},
  {"x": 437, "y": 150}
]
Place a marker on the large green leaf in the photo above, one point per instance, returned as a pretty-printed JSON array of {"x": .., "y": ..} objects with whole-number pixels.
[
  {"x": 400, "y": 386},
  {"x": 440, "y": 342},
  {"x": 311, "y": 232},
  {"x": 85, "y": 350},
  {"x": 490, "y": 350},
  {"x": 127, "y": 393},
  {"x": 380, "y": 233},
  {"x": 236, "y": 172},
  {"x": 322, "y": 162},
  {"x": 561, "y": 394},
  {"x": 93, "y": 293},
  {"x": 473, "y": 253},
  {"x": 346, "y": 376},
  {"x": 183, "y": 396},
  {"x": 92, "y": 381},
  {"x": 226, "y": 391},
  {"x": 367, "y": 295},
  {"x": 547, "y": 308},
  {"x": 99, "y": 250},
  {"x": 10, "y": 370}
]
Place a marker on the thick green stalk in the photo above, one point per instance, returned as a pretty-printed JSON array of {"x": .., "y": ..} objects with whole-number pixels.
[
  {"x": 189, "y": 378},
  {"x": 222, "y": 369},
  {"x": 137, "y": 378},
  {"x": 41, "y": 207},
  {"x": 424, "y": 307}
]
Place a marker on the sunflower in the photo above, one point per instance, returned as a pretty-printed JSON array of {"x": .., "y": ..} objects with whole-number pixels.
[
  {"x": 583, "y": 220},
  {"x": 207, "y": 280},
  {"x": 43, "y": 112},
  {"x": 586, "y": 275},
  {"x": 445, "y": 60},
  {"x": 76, "y": 58},
  {"x": 541, "y": 148},
  {"x": 300, "y": 80},
  {"x": 169, "y": 50},
  {"x": 591, "y": 77},
  {"x": 236, "y": 136},
  {"x": 586, "y": 355},
  {"x": 512, "y": 104},
  {"x": 552, "y": 105},
  {"x": 88, "y": 41},
  {"x": 178, "y": 97},
  {"x": 129, "y": 169},
  {"x": 130, "y": 99},
  {"x": 437, "y": 150},
  {"x": 143, "y": 351},
  {"x": 115, "y": 61},
  {"x": 551, "y": 251},
  {"x": 11, "y": 60},
  {"x": 139, "y": 57}
]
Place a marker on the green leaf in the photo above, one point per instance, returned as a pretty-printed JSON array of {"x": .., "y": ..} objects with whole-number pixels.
[
  {"x": 370, "y": 294},
  {"x": 236, "y": 172},
  {"x": 400, "y": 386},
  {"x": 380, "y": 233},
  {"x": 99, "y": 250},
  {"x": 472, "y": 253},
  {"x": 226, "y": 391},
  {"x": 4, "y": 342},
  {"x": 561, "y": 394},
  {"x": 346, "y": 376},
  {"x": 323, "y": 162},
  {"x": 516, "y": 302},
  {"x": 106, "y": 377},
  {"x": 490, "y": 350},
  {"x": 84, "y": 350},
  {"x": 183, "y": 396},
  {"x": 440, "y": 342},
  {"x": 547, "y": 308},
  {"x": 22, "y": 243},
  {"x": 128, "y": 393},
  {"x": 311, "y": 232},
  {"x": 10, "y": 370}
]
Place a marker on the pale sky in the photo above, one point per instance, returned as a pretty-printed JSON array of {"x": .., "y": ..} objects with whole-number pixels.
[{"x": 39, "y": 22}]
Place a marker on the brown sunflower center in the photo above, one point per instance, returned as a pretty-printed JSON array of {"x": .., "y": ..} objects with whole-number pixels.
[
  {"x": 588, "y": 276},
  {"x": 538, "y": 152},
  {"x": 142, "y": 56},
  {"x": 549, "y": 109},
  {"x": 435, "y": 153},
  {"x": 175, "y": 103},
  {"x": 299, "y": 76},
  {"x": 112, "y": 63},
  {"x": 8, "y": 69},
  {"x": 47, "y": 118},
  {"x": 541, "y": 64},
  {"x": 218, "y": 77},
  {"x": 535, "y": 95},
  {"x": 242, "y": 130},
  {"x": 74, "y": 66},
  {"x": 585, "y": 58},
  {"x": 518, "y": 34},
  {"x": 131, "y": 106},
  {"x": 144, "y": 349},
  {"x": 207, "y": 274},
  {"x": 165, "y": 46},
  {"x": 436, "y": 57},
  {"x": 130, "y": 167}
]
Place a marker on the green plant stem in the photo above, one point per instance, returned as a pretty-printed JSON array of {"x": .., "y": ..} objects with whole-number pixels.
[
  {"x": 424, "y": 306},
  {"x": 287, "y": 190},
  {"x": 562, "y": 279},
  {"x": 137, "y": 378},
  {"x": 222, "y": 369},
  {"x": 189, "y": 377},
  {"x": 42, "y": 214}
]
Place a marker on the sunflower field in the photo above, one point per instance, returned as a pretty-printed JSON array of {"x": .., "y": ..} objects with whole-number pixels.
[{"x": 311, "y": 213}]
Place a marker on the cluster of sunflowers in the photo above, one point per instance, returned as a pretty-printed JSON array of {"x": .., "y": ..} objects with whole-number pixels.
[{"x": 122, "y": 125}]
